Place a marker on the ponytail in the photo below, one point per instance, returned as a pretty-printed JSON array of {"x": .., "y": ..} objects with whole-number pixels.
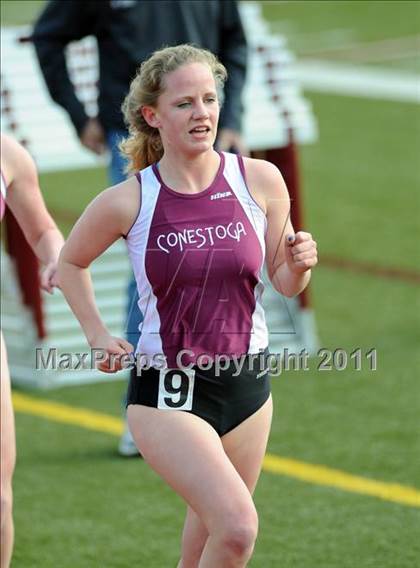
[{"x": 141, "y": 150}]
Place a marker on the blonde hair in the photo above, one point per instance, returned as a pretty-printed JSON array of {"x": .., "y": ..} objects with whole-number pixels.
[{"x": 143, "y": 145}]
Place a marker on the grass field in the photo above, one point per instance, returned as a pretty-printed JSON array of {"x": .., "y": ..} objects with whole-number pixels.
[{"x": 78, "y": 505}]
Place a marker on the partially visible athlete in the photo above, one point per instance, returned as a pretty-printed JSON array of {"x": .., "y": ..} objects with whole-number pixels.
[
  {"x": 199, "y": 226},
  {"x": 20, "y": 191}
]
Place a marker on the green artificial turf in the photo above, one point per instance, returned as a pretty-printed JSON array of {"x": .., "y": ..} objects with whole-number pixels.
[
  {"x": 319, "y": 24},
  {"x": 20, "y": 12}
]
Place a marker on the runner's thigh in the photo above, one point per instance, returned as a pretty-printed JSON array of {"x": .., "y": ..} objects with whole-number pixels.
[
  {"x": 188, "y": 454},
  {"x": 246, "y": 444}
]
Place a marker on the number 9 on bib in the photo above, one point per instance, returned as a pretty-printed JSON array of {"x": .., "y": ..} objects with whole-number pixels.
[{"x": 176, "y": 389}]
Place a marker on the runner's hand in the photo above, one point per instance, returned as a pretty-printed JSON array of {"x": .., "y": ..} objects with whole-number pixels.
[
  {"x": 112, "y": 354},
  {"x": 301, "y": 252}
]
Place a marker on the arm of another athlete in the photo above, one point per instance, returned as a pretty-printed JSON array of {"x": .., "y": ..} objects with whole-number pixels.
[
  {"x": 25, "y": 200},
  {"x": 289, "y": 256},
  {"x": 105, "y": 220}
]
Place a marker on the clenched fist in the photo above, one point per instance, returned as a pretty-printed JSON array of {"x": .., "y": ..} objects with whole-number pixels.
[{"x": 301, "y": 252}]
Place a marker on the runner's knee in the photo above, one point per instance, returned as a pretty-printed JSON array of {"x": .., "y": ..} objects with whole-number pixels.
[
  {"x": 238, "y": 532},
  {"x": 6, "y": 505},
  {"x": 239, "y": 541}
]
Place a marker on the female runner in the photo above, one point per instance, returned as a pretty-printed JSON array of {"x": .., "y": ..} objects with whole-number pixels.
[{"x": 199, "y": 226}]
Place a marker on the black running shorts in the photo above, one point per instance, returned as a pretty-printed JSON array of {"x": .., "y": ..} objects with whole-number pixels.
[{"x": 224, "y": 401}]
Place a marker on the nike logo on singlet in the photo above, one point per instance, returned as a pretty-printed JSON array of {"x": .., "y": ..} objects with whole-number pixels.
[{"x": 220, "y": 195}]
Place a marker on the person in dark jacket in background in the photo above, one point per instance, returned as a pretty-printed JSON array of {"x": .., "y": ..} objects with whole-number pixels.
[{"x": 127, "y": 33}]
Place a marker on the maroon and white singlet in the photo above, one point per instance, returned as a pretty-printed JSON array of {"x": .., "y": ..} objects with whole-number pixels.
[{"x": 197, "y": 260}]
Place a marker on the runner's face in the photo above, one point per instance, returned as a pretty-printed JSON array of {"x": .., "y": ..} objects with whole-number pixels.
[{"x": 188, "y": 109}]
